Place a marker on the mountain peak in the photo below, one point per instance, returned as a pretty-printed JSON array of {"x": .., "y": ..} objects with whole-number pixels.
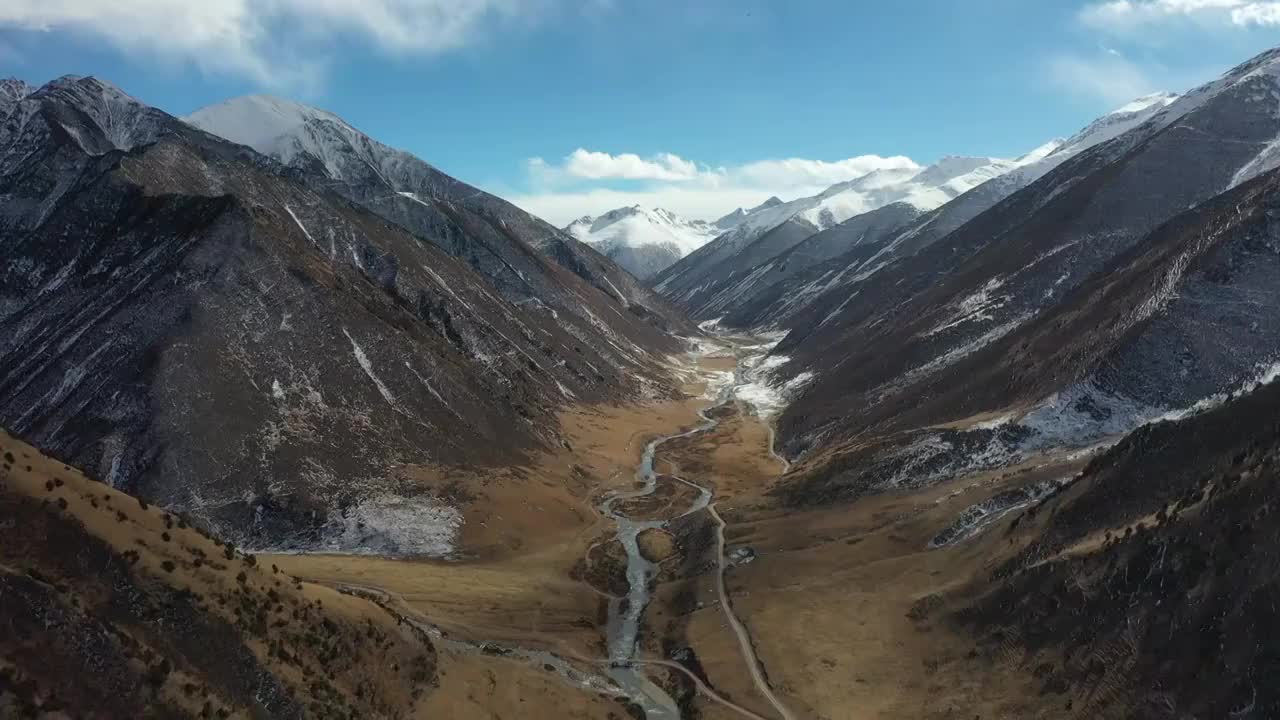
[
  {"x": 1144, "y": 102},
  {"x": 263, "y": 122},
  {"x": 773, "y": 201},
  {"x": 644, "y": 241},
  {"x": 80, "y": 88}
]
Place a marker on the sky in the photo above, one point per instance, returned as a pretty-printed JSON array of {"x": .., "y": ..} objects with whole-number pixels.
[{"x": 575, "y": 107}]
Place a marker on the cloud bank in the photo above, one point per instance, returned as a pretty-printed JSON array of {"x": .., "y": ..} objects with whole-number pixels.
[
  {"x": 1123, "y": 16},
  {"x": 272, "y": 42}
]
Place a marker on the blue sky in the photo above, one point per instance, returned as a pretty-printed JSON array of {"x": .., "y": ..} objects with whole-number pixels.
[{"x": 721, "y": 103}]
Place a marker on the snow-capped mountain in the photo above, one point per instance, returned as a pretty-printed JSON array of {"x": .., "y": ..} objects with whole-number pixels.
[
  {"x": 491, "y": 235},
  {"x": 203, "y": 325},
  {"x": 644, "y": 241},
  {"x": 781, "y": 284},
  {"x": 776, "y": 227},
  {"x": 1134, "y": 280}
]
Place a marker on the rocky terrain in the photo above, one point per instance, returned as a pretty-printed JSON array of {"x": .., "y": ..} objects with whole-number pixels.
[
  {"x": 1072, "y": 311},
  {"x": 987, "y": 438},
  {"x": 207, "y": 328},
  {"x": 117, "y": 608}
]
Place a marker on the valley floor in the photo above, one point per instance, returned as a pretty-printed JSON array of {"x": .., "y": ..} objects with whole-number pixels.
[{"x": 834, "y": 602}]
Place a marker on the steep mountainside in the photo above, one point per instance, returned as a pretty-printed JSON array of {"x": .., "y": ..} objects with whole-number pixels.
[
  {"x": 644, "y": 242},
  {"x": 1148, "y": 587},
  {"x": 1087, "y": 303},
  {"x": 115, "y": 608},
  {"x": 769, "y": 294},
  {"x": 198, "y": 325},
  {"x": 503, "y": 243}
]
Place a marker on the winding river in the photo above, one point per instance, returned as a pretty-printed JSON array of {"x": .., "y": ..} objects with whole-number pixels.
[
  {"x": 624, "y": 664},
  {"x": 625, "y": 614}
]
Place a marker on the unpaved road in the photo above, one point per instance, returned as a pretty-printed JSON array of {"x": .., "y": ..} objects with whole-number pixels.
[{"x": 739, "y": 630}]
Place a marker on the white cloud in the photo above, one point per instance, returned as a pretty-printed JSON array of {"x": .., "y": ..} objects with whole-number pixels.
[
  {"x": 584, "y": 164},
  {"x": 1108, "y": 77},
  {"x": 274, "y": 42},
  {"x": 1127, "y": 16},
  {"x": 797, "y": 171},
  {"x": 570, "y": 188},
  {"x": 627, "y": 166}
]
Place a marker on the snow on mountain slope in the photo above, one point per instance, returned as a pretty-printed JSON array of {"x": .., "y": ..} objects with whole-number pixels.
[
  {"x": 702, "y": 275},
  {"x": 524, "y": 258},
  {"x": 236, "y": 338},
  {"x": 643, "y": 241},
  {"x": 285, "y": 130},
  {"x": 1123, "y": 277},
  {"x": 636, "y": 226},
  {"x": 11, "y": 91},
  {"x": 986, "y": 185}
]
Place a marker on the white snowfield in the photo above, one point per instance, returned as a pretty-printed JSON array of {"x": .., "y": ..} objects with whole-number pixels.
[{"x": 637, "y": 227}]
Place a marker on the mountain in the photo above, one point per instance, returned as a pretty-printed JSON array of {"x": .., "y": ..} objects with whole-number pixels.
[
  {"x": 223, "y": 334},
  {"x": 1158, "y": 555},
  {"x": 735, "y": 218},
  {"x": 845, "y": 255},
  {"x": 644, "y": 242},
  {"x": 700, "y": 281},
  {"x": 1121, "y": 287},
  {"x": 158, "y": 619},
  {"x": 491, "y": 235}
]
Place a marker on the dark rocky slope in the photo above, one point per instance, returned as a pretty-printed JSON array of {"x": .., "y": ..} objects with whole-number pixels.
[
  {"x": 195, "y": 324},
  {"x": 114, "y": 608},
  {"x": 1149, "y": 588},
  {"x": 1125, "y": 347},
  {"x": 945, "y": 334},
  {"x": 504, "y": 244}
]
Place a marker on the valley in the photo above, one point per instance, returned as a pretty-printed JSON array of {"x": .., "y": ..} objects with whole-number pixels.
[
  {"x": 295, "y": 425},
  {"x": 750, "y": 610}
]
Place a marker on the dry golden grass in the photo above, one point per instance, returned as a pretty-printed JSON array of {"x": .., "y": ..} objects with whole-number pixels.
[{"x": 366, "y": 660}]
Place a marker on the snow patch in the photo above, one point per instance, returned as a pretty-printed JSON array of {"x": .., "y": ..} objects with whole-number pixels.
[
  {"x": 766, "y": 396},
  {"x": 367, "y": 366},
  {"x": 396, "y": 526}
]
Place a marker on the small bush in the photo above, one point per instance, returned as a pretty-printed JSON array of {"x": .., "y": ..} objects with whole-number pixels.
[{"x": 168, "y": 565}]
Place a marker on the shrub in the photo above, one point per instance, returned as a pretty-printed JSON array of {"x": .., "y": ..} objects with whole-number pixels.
[{"x": 168, "y": 565}]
